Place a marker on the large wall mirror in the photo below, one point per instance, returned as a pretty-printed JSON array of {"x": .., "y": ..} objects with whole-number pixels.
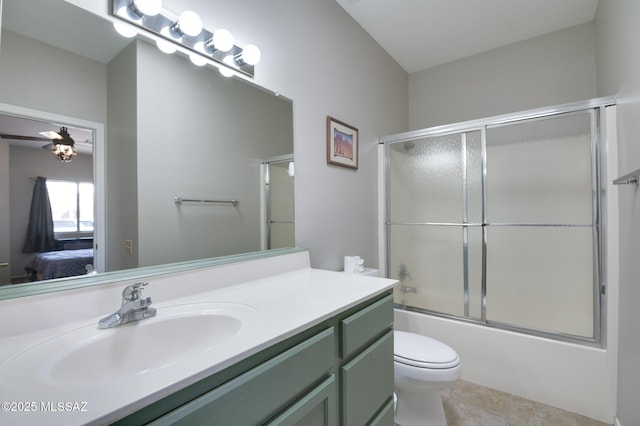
[{"x": 185, "y": 164}]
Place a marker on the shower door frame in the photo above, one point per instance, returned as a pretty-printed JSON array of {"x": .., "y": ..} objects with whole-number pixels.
[{"x": 597, "y": 110}]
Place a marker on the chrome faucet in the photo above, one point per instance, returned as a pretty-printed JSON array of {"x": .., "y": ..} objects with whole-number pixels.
[{"x": 134, "y": 308}]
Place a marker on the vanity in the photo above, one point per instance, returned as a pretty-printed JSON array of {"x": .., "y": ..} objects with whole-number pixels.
[{"x": 266, "y": 340}]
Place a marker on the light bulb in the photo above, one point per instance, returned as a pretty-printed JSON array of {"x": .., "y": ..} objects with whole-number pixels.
[
  {"x": 148, "y": 7},
  {"x": 222, "y": 40},
  {"x": 198, "y": 60},
  {"x": 226, "y": 72},
  {"x": 251, "y": 54},
  {"x": 124, "y": 29},
  {"x": 166, "y": 46},
  {"x": 190, "y": 23}
]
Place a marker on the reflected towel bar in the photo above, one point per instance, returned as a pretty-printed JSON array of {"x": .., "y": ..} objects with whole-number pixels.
[
  {"x": 633, "y": 177},
  {"x": 180, "y": 200}
]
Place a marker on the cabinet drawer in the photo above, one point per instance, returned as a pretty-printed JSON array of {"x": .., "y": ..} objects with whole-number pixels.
[
  {"x": 385, "y": 417},
  {"x": 367, "y": 382},
  {"x": 263, "y": 391},
  {"x": 316, "y": 408},
  {"x": 362, "y": 327}
]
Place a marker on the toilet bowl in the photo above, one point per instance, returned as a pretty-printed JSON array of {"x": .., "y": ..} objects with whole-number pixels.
[{"x": 422, "y": 368}]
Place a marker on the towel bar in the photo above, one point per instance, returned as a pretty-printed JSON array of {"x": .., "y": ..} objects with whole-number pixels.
[
  {"x": 180, "y": 200},
  {"x": 633, "y": 177}
]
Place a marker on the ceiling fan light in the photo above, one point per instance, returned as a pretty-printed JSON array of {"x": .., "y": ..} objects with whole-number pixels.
[{"x": 64, "y": 152}]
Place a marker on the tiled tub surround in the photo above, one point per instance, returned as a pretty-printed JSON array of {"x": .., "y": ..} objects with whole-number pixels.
[{"x": 286, "y": 293}]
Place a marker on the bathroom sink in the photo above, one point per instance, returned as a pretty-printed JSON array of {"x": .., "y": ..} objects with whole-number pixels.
[{"x": 178, "y": 336}]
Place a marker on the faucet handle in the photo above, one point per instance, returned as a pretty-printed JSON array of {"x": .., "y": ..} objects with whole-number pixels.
[{"x": 133, "y": 292}]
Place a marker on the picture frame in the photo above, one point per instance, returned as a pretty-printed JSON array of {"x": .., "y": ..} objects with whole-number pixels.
[{"x": 342, "y": 144}]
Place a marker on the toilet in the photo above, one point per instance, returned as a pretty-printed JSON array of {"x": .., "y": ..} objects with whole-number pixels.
[{"x": 422, "y": 368}]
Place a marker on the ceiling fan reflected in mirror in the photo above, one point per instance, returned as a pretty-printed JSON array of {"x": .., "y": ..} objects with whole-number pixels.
[{"x": 61, "y": 144}]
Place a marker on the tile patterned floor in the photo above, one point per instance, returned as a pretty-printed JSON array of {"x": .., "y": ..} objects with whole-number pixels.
[{"x": 468, "y": 404}]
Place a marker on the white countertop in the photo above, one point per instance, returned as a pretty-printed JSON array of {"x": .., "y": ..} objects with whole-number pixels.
[{"x": 285, "y": 304}]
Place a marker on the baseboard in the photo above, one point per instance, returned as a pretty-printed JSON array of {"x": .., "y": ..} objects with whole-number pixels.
[{"x": 617, "y": 422}]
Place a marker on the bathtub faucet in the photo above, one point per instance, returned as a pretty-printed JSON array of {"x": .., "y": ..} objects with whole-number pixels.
[
  {"x": 133, "y": 308},
  {"x": 408, "y": 289}
]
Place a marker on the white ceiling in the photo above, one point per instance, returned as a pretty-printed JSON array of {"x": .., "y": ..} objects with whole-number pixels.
[
  {"x": 420, "y": 34},
  {"x": 67, "y": 27}
]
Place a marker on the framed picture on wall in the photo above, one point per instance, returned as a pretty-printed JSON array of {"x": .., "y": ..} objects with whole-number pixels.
[{"x": 342, "y": 144}]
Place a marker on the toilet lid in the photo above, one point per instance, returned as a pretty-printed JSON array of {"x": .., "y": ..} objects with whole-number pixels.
[{"x": 421, "y": 351}]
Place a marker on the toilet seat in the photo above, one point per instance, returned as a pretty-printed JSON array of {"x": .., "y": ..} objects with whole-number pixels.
[{"x": 423, "y": 352}]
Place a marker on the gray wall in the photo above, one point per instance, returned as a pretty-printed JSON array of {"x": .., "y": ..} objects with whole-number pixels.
[
  {"x": 618, "y": 53},
  {"x": 122, "y": 161},
  {"x": 82, "y": 96},
  {"x": 552, "y": 69},
  {"x": 315, "y": 54},
  {"x": 74, "y": 94},
  {"x": 201, "y": 135}
]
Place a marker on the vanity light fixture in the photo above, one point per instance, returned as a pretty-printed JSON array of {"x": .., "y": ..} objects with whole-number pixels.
[
  {"x": 197, "y": 60},
  {"x": 188, "y": 24},
  {"x": 250, "y": 55},
  {"x": 185, "y": 31},
  {"x": 227, "y": 72},
  {"x": 125, "y": 30},
  {"x": 222, "y": 40},
  {"x": 166, "y": 46},
  {"x": 147, "y": 7}
]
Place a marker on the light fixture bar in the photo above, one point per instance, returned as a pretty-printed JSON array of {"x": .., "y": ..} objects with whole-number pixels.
[{"x": 166, "y": 19}]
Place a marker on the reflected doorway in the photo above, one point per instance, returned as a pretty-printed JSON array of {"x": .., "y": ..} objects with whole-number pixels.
[
  {"x": 27, "y": 155},
  {"x": 277, "y": 206}
]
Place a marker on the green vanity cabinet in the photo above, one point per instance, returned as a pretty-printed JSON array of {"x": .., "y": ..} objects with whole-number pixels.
[
  {"x": 367, "y": 365},
  {"x": 339, "y": 372}
]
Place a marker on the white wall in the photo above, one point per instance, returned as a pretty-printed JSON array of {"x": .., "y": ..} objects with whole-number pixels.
[
  {"x": 552, "y": 69},
  {"x": 618, "y": 54}
]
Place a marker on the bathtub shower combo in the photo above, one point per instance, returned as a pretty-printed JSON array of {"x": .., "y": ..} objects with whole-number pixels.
[{"x": 499, "y": 221}]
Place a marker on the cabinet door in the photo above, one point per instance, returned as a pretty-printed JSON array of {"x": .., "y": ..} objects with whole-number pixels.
[
  {"x": 361, "y": 328},
  {"x": 263, "y": 391},
  {"x": 317, "y": 408},
  {"x": 367, "y": 382}
]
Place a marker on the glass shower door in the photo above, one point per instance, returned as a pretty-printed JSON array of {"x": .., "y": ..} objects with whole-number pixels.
[
  {"x": 541, "y": 224},
  {"x": 499, "y": 224},
  {"x": 433, "y": 232}
]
